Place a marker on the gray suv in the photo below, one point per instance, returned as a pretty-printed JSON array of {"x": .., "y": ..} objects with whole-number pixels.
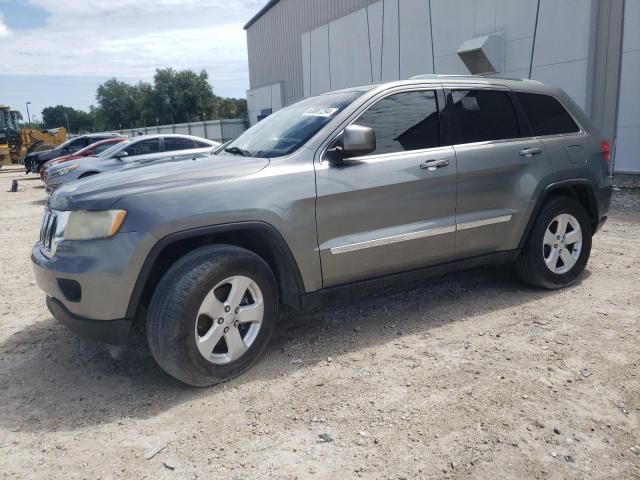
[{"x": 339, "y": 193}]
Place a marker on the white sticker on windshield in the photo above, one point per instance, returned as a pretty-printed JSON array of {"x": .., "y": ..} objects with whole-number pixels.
[{"x": 319, "y": 112}]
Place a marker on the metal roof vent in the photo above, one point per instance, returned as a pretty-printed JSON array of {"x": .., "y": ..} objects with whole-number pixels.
[{"x": 483, "y": 55}]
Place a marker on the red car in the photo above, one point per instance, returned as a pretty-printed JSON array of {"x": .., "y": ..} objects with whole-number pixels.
[{"x": 90, "y": 150}]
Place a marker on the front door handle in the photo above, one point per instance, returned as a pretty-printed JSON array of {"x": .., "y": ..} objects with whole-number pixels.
[
  {"x": 431, "y": 165},
  {"x": 530, "y": 152}
]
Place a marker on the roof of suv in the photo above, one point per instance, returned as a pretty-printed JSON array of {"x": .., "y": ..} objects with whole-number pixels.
[{"x": 516, "y": 83}]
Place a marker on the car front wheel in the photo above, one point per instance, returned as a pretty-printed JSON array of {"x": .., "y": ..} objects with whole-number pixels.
[{"x": 212, "y": 314}]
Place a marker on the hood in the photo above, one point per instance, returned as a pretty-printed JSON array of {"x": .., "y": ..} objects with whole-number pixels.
[
  {"x": 102, "y": 191},
  {"x": 35, "y": 154},
  {"x": 62, "y": 159}
]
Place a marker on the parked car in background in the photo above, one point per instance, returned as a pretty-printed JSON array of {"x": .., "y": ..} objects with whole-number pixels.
[
  {"x": 380, "y": 185},
  {"x": 136, "y": 150},
  {"x": 94, "y": 149},
  {"x": 33, "y": 161}
]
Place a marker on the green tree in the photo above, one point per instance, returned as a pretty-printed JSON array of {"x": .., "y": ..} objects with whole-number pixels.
[
  {"x": 180, "y": 96},
  {"x": 118, "y": 102},
  {"x": 78, "y": 120},
  {"x": 173, "y": 97}
]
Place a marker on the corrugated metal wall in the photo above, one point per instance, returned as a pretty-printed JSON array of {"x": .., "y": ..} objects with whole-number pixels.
[
  {"x": 216, "y": 130},
  {"x": 280, "y": 59}
]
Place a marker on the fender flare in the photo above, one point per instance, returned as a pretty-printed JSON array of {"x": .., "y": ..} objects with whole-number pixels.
[
  {"x": 287, "y": 263},
  {"x": 550, "y": 190}
]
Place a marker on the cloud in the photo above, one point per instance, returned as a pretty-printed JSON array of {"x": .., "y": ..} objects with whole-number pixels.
[
  {"x": 4, "y": 30},
  {"x": 131, "y": 38}
]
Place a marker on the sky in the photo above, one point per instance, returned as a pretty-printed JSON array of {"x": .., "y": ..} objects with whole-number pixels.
[{"x": 58, "y": 52}]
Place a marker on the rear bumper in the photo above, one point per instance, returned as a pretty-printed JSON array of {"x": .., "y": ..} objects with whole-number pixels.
[{"x": 113, "y": 332}]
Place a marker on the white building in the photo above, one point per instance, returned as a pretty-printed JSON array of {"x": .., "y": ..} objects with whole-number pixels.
[{"x": 590, "y": 48}]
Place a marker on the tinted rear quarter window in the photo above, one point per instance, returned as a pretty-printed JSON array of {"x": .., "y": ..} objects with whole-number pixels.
[
  {"x": 546, "y": 114},
  {"x": 484, "y": 115}
]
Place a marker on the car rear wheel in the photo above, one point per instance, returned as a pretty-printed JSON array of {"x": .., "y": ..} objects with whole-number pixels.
[
  {"x": 212, "y": 315},
  {"x": 558, "y": 246}
]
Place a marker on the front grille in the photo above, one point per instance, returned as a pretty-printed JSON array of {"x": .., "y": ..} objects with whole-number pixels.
[{"x": 48, "y": 231}]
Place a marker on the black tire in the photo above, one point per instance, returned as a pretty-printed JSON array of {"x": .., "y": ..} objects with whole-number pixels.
[
  {"x": 174, "y": 306},
  {"x": 531, "y": 266}
]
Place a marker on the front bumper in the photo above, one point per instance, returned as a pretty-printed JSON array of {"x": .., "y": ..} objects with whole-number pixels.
[
  {"x": 92, "y": 279},
  {"x": 113, "y": 332}
]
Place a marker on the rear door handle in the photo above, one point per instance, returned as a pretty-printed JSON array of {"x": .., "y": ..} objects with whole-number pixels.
[
  {"x": 434, "y": 164},
  {"x": 530, "y": 152}
]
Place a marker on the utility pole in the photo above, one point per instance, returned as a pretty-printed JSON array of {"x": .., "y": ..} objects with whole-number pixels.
[
  {"x": 66, "y": 117},
  {"x": 28, "y": 116}
]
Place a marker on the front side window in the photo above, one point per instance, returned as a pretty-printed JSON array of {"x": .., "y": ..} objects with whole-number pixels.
[
  {"x": 484, "y": 115},
  {"x": 177, "y": 143},
  {"x": 143, "y": 147},
  {"x": 286, "y": 130},
  {"x": 546, "y": 115},
  {"x": 403, "y": 122}
]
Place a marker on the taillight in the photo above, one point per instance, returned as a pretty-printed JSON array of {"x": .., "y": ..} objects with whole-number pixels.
[{"x": 606, "y": 150}]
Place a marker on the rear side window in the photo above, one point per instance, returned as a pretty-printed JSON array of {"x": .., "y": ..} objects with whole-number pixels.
[
  {"x": 484, "y": 115},
  {"x": 546, "y": 115},
  {"x": 404, "y": 121},
  {"x": 177, "y": 143}
]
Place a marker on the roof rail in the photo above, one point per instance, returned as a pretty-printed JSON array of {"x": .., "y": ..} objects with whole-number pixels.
[
  {"x": 426, "y": 76},
  {"x": 434, "y": 76}
]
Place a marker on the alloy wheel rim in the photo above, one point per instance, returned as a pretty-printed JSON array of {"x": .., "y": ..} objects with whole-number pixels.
[
  {"x": 562, "y": 243},
  {"x": 229, "y": 319}
]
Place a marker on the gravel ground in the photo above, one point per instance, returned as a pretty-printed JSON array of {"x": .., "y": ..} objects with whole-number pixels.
[{"x": 472, "y": 376}]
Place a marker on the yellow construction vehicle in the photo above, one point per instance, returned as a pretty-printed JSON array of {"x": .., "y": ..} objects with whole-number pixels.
[
  {"x": 16, "y": 142},
  {"x": 5, "y": 126}
]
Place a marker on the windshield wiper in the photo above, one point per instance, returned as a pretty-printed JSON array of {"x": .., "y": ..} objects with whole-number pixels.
[{"x": 238, "y": 151}]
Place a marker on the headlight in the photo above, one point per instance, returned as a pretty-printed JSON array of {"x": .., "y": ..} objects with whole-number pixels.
[
  {"x": 63, "y": 171},
  {"x": 88, "y": 225}
]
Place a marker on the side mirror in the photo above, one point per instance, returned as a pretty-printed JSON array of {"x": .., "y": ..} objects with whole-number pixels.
[
  {"x": 358, "y": 140},
  {"x": 121, "y": 154}
]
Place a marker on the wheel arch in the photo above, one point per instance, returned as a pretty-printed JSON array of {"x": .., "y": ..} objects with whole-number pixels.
[
  {"x": 258, "y": 237},
  {"x": 580, "y": 189}
]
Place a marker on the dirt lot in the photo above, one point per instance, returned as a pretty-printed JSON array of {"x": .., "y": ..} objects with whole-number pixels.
[{"x": 473, "y": 376}]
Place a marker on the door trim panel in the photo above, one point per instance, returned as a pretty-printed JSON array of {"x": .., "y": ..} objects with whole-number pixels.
[
  {"x": 483, "y": 222},
  {"x": 430, "y": 232},
  {"x": 378, "y": 242}
]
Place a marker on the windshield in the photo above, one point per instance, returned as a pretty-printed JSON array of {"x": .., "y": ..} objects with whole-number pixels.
[
  {"x": 14, "y": 119},
  {"x": 288, "y": 129},
  {"x": 116, "y": 146},
  {"x": 3, "y": 123},
  {"x": 93, "y": 146},
  {"x": 62, "y": 145}
]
